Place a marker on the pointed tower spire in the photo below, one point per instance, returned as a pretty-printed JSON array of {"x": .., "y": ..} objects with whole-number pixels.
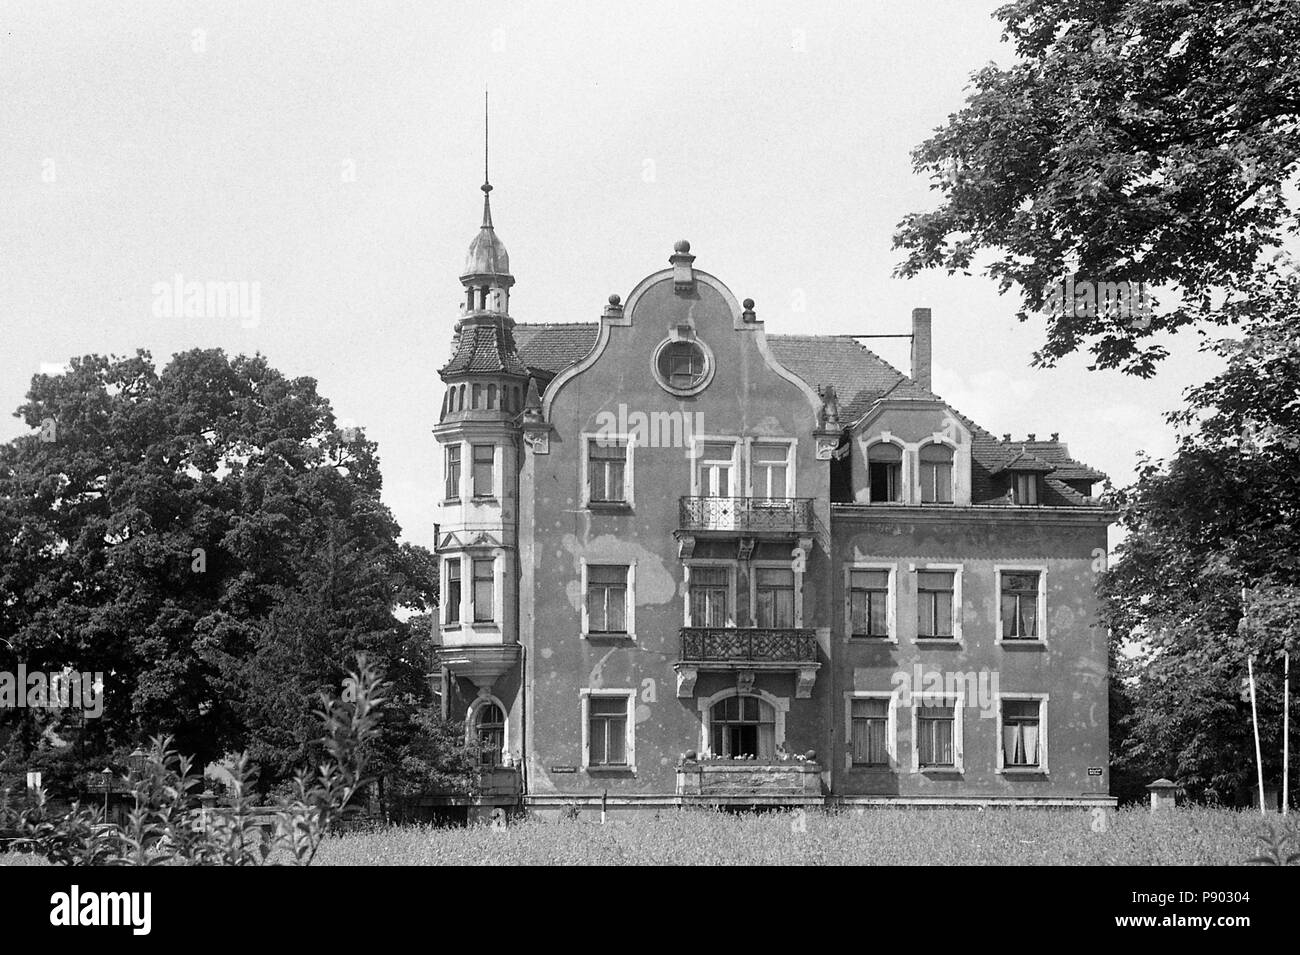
[{"x": 487, "y": 184}]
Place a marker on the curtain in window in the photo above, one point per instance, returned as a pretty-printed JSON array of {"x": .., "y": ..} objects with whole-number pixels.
[
  {"x": 870, "y": 724},
  {"x": 775, "y": 597},
  {"x": 708, "y": 597},
  {"x": 934, "y": 726},
  {"x": 607, "y": 598}
]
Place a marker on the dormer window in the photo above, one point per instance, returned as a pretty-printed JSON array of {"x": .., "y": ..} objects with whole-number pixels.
[
  {"x": 885, "y": 473},
  {"x": 936, "y": 474},
  {"x": 1024, "y": 488}
]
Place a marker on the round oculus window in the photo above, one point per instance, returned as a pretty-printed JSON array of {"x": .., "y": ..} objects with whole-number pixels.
[{"x": 683, "y": 366}]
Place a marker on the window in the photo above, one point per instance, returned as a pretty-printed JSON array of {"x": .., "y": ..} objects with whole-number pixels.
[
  {"x": 1020, "y": 598},
  {"x": 768, "y": 470},
  {"x": 453, "y": 472},
  {"x": 884, "y": 473},
  {"x": 1021, "y": 734},
  {"x": 936, "y": 474},
  {"x": 682, "y": 365},
  {"x": 708, "y": 596},
  {"x": 484, "y": 457},
  {"x": 935, "y": 741},
  {"x": 774, "y": 591},
  {"x": 869, "y": 732},
  {"x": 606, "y": 470},
  {"x": 869, "y": 603},
  {"x": 607, "y": 731},
  {"x": 476, "y": 396},
  {"x": 607, "y": 598},
  {"x": 453, "y": 590},
  {"x": 714, "y": 470},
  {"x": 934, "y": 603},
  {"x": 490, "y": 729},
  {"x": 491, "y": 397},
  {"x": 484, "y": 607},
  {"x": 743, "y": 726},
  {"x": 1026, "y": 488}
]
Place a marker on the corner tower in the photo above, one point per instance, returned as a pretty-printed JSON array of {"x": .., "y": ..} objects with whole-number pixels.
[{"x": 478, "y": 432}]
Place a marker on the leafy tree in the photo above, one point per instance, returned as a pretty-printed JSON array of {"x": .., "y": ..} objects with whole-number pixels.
[
  {"x": 1222, "y": 515},
  {"x": 1143, "y": 141},
  {"x": 208, "y": 540}
]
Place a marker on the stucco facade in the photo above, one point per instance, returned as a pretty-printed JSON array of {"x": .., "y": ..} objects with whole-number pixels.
[{"x": 684, "y": 561}]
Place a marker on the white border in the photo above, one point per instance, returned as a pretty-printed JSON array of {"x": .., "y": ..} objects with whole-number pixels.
[
  {"x": 629, "y": 469},
  {"x": 958, "y": 732},
  {"x": 1041, "y": 570},
  {"x": 584, "y": 695},
  {"x": 629, "y": 608},
  {"x": 1041, "y": 768},
  {"x": 957, "y": 609},
  {"x": 891, "y": 601},
  {"x": 891, "y": 729}
]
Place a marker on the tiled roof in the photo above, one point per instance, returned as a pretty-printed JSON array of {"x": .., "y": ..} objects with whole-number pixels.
[
  {"x": 484, "y": 346},
  {"x": 861, "y": 378}
]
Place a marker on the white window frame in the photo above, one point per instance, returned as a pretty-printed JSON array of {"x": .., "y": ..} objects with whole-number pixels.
[
  {"x": 891, "y": 729},
  {"x": 1041, "y": 570},
  {"x": 731, "y": 568},
  {"x": 629, "y": 610},
  {"x": 498, "y": 596},
  {"x": 460, "y": 477},
  {"x": 629, "y": 469},
  {"x": 957, "y": 610},
  {"x": 471, "y": 729},
  {"x": 906, "y": 466},
  {"x": 943, "y": 442},
  {"x": 790, "y": 445},
  {"x": 891, "y": 601},
  {"x": 584, "y": 696},
  {"x": 1041, "y": 769},
  {"x": 754, "y": 567},
  {"x": 780, "y": 704},
  {"x": 443, "y": 585},
  {"x": 958, "y": 699},
  {"x": 697, "y": 455},
  {"x": 496, "y": 472}
]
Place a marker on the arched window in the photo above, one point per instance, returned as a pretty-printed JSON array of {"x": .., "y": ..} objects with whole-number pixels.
[
  {"x": 490, "y": 728},
  {"x": 491, "y": 397},
  {"x": 936, "y": 474},
  {"x": 885, "y": 473},
  {"x": 743, "y": 726}
]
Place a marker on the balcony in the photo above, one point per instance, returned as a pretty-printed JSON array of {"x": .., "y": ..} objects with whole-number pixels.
[
  {"x": 751, "y": 516},
  {"x": 745, "y": 781},
  {"x": 745, "y": 650}
]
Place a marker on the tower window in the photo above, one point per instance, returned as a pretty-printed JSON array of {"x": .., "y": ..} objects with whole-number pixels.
[
  {"x": 484, "y": 456},
  {"x": 484, "y": 597},
  {"x": 453, "y": 590},
  {"x": 491, "y": 397},
  {"x": 476, "y": 396},
  {"x": 490, "y": 727},
  {"x": 453, "y": 472}
]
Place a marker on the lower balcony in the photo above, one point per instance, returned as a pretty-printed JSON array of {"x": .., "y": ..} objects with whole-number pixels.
[
  {"x": 482, "y": 664},
  {"x": 497, "y": 781},
  {"x": 745, "y": 781},
  {"x": 745, "y": 650}
]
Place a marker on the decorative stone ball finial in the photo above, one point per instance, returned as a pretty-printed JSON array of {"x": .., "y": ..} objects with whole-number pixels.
[{"x": 682, "y": 246}]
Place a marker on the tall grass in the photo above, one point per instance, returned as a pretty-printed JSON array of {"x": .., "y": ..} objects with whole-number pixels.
[{"x": 1186, "y": 836}]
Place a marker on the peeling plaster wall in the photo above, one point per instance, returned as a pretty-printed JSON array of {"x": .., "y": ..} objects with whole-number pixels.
[
  {"x": 746, "y": 397},
  {"x": 1071, "y": 669}
]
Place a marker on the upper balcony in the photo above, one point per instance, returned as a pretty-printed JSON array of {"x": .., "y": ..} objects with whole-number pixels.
[
  {"x": 745, "y": 650},
  {"x": 750, "y": 516}
]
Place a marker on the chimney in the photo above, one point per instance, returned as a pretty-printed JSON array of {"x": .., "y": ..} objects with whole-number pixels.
[{"x": 921, "y": 347}]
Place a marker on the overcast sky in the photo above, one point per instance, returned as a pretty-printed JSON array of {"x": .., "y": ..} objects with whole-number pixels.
[{"x": 330, "y": 156}]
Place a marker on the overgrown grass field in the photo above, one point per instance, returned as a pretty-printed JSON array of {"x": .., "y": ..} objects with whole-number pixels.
[{"x": 1187, "y": 836}]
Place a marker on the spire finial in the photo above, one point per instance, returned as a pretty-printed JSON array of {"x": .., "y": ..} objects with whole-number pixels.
[{"x": 487, "y": 186}]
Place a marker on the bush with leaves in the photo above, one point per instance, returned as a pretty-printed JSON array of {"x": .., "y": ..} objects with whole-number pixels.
[{"x": 168, "y": 824}]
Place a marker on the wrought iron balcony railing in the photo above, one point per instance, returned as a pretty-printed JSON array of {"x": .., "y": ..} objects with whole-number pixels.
[
  {"x": 748, "y": 645},
  {"x": 787, "y": 515}
]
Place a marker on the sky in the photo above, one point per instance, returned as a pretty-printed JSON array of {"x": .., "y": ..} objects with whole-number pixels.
[{"x": 328, "y": 157}]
